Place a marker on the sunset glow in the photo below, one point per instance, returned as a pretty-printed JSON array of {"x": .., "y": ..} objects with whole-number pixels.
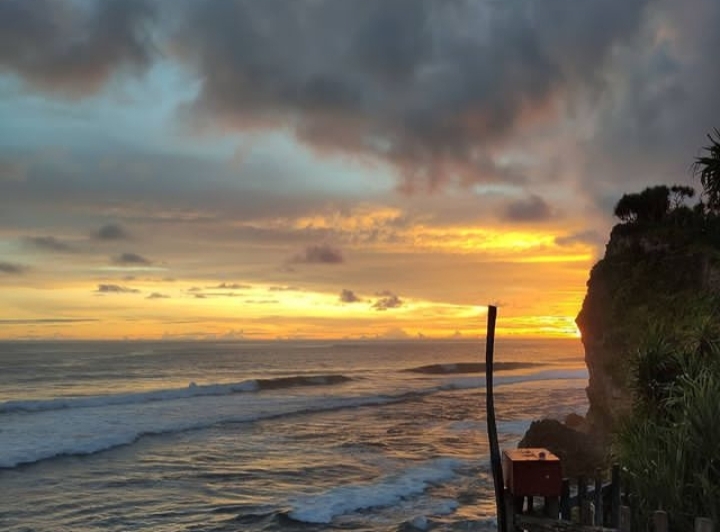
[{"x": 177, "y": 175}]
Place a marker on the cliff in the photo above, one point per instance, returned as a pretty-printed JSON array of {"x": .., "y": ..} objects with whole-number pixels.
[{"x": 660, "y": 277}]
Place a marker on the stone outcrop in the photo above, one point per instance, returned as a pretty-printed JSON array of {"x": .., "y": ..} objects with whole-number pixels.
[
  {"x": 655, "y": 281},
  {"x": 579, "y": 453},
  {"x": 652, "y": 278}
]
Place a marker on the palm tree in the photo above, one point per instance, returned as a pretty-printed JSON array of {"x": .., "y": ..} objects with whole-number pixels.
[{"x": 708, "y": 168}]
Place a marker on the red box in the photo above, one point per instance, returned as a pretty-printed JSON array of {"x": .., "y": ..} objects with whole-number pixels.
[{"x": 532, "y": 472}]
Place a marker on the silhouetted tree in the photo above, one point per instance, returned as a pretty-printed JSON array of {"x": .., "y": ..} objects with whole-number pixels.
[
  {"x": 708, "y": 168},
  {"x": 627, "y": 207},
  {"x": 680, "y": 193},
  {"x": 650, "y": 205}
]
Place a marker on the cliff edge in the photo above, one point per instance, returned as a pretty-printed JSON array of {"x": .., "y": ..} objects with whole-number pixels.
[{"x": 660, "y": 273}]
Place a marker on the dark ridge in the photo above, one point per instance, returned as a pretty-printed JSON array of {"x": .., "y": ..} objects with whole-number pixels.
[
  {"x": 470, "y": 367},
  {"x": 304, "y": 380}
]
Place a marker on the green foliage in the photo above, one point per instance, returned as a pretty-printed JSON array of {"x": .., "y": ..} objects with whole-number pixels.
[
  {"x": 670, "y": 446},
  {"x": 656, "y": 309},
  {"x": 707, "y": 167},
  {"x": 650, "y": 205}
]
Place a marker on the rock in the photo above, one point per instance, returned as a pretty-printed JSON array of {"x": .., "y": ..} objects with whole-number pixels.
[
  {"x": 575, "y": 422},
  {"x": 579, "y": 453}
]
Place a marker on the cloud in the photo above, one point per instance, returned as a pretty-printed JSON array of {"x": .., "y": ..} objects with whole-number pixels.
[
  {"x": 157, "y": 295},
  {"x": 111, "y": 232},
  {"x": 322, "y": 254},
  {"x": 11, "y": 268},
  {"x": 283, "y": 289},
  {"x": 430, "y": 87},
  {"x": 532, "y": 209},
  {"x": 590, "y": 237},
  {"x": 394, "y": 333},
  {"x": 387, "y": 300},
  {"x": 348, "y": 296},
  {"x": 115, "y": 289},
  {"x": 131, "y": 259},
  {"x": 74, "y": 47},
  {"x": 49, "y": 243},
  {"x": 12, "y": 171},
  {"x": 232, "y": 286}
]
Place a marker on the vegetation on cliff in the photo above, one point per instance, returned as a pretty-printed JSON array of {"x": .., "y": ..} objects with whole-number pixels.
[
  {"x": 661, "y": 271},
  {"x": 651, "y": 329}
]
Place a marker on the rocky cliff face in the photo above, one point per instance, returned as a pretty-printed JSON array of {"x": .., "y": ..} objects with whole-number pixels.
[{"x": 650, "y": 279}]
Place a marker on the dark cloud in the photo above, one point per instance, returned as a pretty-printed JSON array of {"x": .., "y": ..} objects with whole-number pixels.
[
  {"x": 321, "y": 254},
  {"x": 115, "y": 289},
  {"x": 387, "y": 300},
  {"x": 661, "y": 105},
  {"x": 429, "y": 86},
  {"x": 157, "y": 295},
  {"x": 74, "y": 47},
  {"x": 111, "y": 232},
  {"x": 348, "y": 296},
  {"x": 590, "y": 237},
  {"x": 531, "y": 209},
  {"x": 11, "y": 268},
  {"x": 129, "y": 259},
  {"x": 49, "y": 243}
]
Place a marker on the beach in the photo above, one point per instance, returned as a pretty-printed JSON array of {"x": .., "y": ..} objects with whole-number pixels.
[{"x": 272, "y": 436}]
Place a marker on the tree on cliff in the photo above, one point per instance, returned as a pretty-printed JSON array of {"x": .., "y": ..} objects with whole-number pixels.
[
  {"x": 650, "y": 205},
  {"x": 680, "y": 193},
  {"x": 707, "y": 167}
]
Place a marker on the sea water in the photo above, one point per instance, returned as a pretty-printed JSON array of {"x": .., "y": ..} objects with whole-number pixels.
[{"x": 265, "y": 436}]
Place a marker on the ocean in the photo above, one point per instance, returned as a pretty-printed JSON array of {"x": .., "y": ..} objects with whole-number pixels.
[{"x": 266, "y": 436}]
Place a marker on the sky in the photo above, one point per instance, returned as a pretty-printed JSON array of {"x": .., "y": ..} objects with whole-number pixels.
[{"x": 266, "y": 169}]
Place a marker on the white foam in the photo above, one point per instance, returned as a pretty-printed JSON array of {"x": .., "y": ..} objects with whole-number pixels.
[
  {"x": 192, "y": 390},
  {"x": 36, "y": 430},
  {"x": 30, "y": 437},
  {"x": 467, "y": 383},
  {"x": 387, "y": 491}
]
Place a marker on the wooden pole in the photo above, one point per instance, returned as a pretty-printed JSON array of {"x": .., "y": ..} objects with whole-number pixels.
[{"x": 495, "y": 460}]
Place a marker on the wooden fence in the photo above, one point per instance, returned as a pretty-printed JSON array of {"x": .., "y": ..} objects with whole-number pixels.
[{"x": 585, "y": 506}]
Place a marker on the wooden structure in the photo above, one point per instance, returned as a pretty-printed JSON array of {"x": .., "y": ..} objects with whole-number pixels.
[
  {"x": 533, "y": 473},
  {"x": 594, "y": 508}
]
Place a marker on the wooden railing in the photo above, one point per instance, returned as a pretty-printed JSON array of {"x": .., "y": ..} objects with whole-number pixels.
[{"x": 589, "y": 507}]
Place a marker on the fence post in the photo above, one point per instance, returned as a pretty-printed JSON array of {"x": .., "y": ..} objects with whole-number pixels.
[
  {"x": 660, "y": 521},
  {"x": 615, "y": 497},
  {"x": 703, "y": 524},
  {"x": 565, "y": 512},
  {"x": 625, "y": 519},
  {"x": 598, "y": 499}
]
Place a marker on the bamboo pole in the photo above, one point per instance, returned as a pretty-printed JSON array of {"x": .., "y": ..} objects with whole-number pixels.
[{"x": 495, "y": 460}]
